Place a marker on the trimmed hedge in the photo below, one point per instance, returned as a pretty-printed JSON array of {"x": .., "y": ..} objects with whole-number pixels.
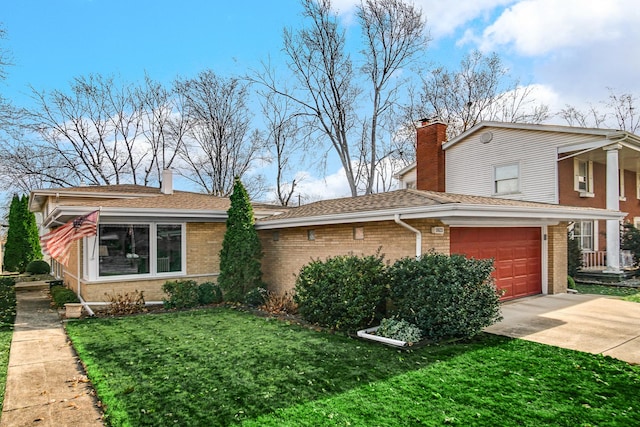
[
  {"x": 38, "y": 266},
  {"x": 209, "y": 293},
  {"x": 445, "y": 296},
  {"x": 181, "y": 294},
  {"x": 61, "y": 295},
  {"x": 187, "y": 294},
  {"x": 343, "y": 292}
]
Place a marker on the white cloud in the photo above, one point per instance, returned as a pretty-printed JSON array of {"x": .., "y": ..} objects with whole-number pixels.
[
  {"x": 330, "y": 187},
  {"x": 538, "y": 27},
  {"x": 443, "y": 17}
]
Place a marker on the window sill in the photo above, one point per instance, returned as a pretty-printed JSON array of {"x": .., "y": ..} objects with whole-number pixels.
[
  {"x": 623, "y": 199},
  {"x": 586, "y": 194}
]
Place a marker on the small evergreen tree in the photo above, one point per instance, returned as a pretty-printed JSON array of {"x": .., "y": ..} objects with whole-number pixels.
[
  {"x": 33, "y": 235},
  {"x": 631, "y": 242},
  {"x": 23, "y": 241},
  {"x": 15, "y": 246},
  {"x": 574, "y": 255},
  {"x": 241, "y": 252}
]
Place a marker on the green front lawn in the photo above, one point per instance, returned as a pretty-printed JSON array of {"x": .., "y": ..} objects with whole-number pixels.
[
  {"x": 221, "y": 367},
  {"x": 7, "y": 317},
  {"x": 617, "y": 291}
]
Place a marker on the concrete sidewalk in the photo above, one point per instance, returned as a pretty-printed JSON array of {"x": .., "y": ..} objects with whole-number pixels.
[
  {"x": 590, "y": 323},
  {"x": 46, "y": 385}
]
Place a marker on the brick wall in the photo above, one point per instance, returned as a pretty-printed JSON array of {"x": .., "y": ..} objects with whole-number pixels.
[
  {"x": 283, "y": 258},
  {"x": 204, "y": 241},
  {"x": 557, "y": 256},
  {"x": 430, "y": 156}
]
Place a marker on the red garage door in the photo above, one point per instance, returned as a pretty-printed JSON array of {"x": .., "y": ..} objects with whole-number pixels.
[{"x": 516, "y": 251}]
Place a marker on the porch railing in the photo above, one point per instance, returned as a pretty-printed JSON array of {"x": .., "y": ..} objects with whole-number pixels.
[{"x": 593, "y": 260}]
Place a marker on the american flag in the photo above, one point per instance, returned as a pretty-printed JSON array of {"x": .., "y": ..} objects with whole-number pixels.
[{"x": 57, "y": 243}]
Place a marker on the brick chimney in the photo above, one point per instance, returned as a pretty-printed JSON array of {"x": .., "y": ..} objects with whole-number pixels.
[{"x": 431, "y": 134}]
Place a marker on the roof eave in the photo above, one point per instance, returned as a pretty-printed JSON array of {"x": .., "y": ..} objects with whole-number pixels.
[
  {"x": 449, "y": 211},
  {"x": 62, "y": 214}
]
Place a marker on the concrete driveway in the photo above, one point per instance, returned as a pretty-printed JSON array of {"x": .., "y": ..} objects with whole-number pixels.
[{"x": 589, "y": 323}]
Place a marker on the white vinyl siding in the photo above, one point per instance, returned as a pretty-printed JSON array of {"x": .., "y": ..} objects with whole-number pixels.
[{"x": 470, "y": 163}]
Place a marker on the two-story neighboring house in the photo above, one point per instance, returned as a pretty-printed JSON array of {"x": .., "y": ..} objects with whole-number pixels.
[{"x": 572, "y": 166}]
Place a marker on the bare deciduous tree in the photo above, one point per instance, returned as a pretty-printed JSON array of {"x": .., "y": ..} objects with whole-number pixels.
[
  {"x": 164, "y": 127},
  {"x": 91, "y": 130},
  {"x": 618, "y": 111},
  {"x": 220, "y": 144},
  {"x": 283, "y": 140},
  {"x": 479, "y": 90},
  {"x": 330, "y": 90}
]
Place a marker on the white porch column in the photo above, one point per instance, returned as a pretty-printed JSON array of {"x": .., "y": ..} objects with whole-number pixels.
[{"x": 613, "y": 203}]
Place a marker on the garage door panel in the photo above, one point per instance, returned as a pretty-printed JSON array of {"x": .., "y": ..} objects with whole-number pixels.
[{"x": 515, "y": 250}]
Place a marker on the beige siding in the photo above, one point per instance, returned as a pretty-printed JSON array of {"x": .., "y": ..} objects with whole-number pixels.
[{"x": 470, "y": 162}]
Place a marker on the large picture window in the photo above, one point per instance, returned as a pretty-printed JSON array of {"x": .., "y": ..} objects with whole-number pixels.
[{"x": 130, "y": 249}]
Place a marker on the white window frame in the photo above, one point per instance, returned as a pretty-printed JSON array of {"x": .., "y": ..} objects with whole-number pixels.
[
  {"x": 587, "y": 180},
  {"x": 92, "y": 260},
  {"x": 593, "y": 235},
  {"x": 621, "y": 194},
  {"x": 516, "y": 178}
]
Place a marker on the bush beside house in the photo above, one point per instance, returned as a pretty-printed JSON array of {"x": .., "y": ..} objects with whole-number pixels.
[
  {"x": 445, "y": 296},
  {"x": 23, "y": 243},
  {"x": 240, "y": 272},
  {"x": 342, "y": 292},
  {"x": 441, "y": 296}
]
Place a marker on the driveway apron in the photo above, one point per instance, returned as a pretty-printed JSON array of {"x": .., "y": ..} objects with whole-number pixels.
[{"x": 589, "y": 323}]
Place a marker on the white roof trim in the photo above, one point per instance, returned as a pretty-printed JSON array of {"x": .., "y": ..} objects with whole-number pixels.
[
  {"x": 450, "y": 211},
  {"x": 607, "y": 133},
  {"x": 133, "y": 213}
]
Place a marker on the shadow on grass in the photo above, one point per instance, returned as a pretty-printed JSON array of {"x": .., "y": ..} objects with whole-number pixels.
[
  {"x": 215, "y": 366},
  {"x": 222, "y": 367}
]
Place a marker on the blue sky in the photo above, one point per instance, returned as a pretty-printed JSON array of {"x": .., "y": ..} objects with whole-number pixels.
[{"x": 571, "y": 50}]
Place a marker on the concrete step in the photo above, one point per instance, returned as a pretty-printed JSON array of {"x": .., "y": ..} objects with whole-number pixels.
[{"x": 32, "y": 286}]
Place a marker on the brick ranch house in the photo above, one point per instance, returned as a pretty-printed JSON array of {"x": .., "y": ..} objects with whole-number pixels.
[
  {"x": 571, "y": 166},
  {"x": 147, "y": 236}
]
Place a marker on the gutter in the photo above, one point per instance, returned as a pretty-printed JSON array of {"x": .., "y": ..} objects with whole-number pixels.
[{"x": 398, "y": 221}]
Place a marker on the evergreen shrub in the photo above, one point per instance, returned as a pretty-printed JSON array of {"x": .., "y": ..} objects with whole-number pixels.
[
  {"x": 62, "y": 295},
  {"x": 240, "y": 267},
  {"x": 181, "y": 294},
  {"x": 343, "y": 292},
  {"x": 631, "y": 242},
  {"x": 38, "y": 266},
  {"x": 209, "y": 293},
  {"x": 444, "y": 296},
  {"x": 574, "y": 255},
  {"x": 7, "y": 281}
]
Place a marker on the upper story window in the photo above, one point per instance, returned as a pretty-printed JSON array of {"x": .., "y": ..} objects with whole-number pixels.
[
  {"x": 583, "y": 173},
  {"x": 506, "y": 179}
]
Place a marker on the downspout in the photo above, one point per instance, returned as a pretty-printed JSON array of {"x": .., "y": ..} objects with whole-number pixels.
[
  {"x": 83, "y": 302},
  {"x": 398, "y": 221}
]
